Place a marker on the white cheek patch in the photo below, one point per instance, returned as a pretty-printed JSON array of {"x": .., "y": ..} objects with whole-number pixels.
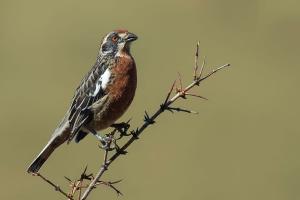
[
  {"x": 102, "y": 82},
  {"x": 122, "y": 54}
]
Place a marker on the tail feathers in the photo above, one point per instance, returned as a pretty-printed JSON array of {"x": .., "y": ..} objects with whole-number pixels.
[{"x": 44, "y": 154}]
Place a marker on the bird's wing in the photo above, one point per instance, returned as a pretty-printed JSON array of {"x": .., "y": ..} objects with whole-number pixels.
[{"x": 91, "y": 89}]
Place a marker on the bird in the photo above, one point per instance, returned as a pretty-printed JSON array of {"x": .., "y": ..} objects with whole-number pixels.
[{"x": 101, "y": 98}]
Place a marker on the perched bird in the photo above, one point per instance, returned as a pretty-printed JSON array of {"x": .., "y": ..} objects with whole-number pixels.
[{"x": 102, "y": 97}]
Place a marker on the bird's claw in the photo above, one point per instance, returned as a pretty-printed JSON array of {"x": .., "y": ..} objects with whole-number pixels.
[{"x": 105, "y": 141}]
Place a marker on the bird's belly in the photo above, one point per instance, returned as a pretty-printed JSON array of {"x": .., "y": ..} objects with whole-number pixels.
[
  {"x": 119, "y": 96},
  {"x": 113, "y": 112}
]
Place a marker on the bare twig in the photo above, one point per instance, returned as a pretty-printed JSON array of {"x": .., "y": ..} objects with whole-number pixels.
[
  {"x": 202, "y": 67},
  {"x": 101, "y": 171},
  {"x": 180, "y": 83},
  {"x": 111, "y": 185},
  {"x": 195, "y": 95},
  {"x": 56, "y": 187},
  {"x": 196, "y": 60},
  {"x": 169, "y": 93},
  {"x": 177, "y": 109}
]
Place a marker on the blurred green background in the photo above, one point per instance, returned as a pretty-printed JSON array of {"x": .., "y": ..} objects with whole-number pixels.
[{"x": 244, "y": 144}]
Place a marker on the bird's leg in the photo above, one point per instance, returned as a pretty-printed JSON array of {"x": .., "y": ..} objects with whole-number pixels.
[
  {"x": 121, "y": 127},
  {"x": 103, "y": 139}
]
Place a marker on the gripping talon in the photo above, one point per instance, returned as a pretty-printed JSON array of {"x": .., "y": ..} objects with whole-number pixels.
[{"x": 105, "y": 142}]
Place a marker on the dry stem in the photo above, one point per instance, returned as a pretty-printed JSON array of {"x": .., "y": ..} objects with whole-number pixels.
[{"x": 56, "y": 187}]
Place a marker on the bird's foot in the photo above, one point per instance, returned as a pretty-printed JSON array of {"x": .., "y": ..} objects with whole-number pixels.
[{"x": 105, "y": 141}]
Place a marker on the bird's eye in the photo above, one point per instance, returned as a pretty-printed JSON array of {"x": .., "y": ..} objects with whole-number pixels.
[{"x": 115, "y": 38}]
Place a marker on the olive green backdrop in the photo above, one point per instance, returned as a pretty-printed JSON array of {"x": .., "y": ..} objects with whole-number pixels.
[{"x": 243, "y": 145}]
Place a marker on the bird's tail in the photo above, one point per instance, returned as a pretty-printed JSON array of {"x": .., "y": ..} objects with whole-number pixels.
[
  {"x": 44, "y": 155},
  {"x": 60, "y": 135}
]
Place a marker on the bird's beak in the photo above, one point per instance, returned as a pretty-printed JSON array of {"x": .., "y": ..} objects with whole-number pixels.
[{"x": 130, "y": 37}]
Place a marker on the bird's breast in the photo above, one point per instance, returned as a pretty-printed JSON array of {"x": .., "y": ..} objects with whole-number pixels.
[{"x": 120, "y": 92}]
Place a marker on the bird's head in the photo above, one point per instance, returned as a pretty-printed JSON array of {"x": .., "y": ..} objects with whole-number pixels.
[{"x": 117, "y": 43}]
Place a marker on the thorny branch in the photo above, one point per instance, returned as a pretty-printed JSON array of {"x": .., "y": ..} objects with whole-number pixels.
[{"x": 123, "y": 128}]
